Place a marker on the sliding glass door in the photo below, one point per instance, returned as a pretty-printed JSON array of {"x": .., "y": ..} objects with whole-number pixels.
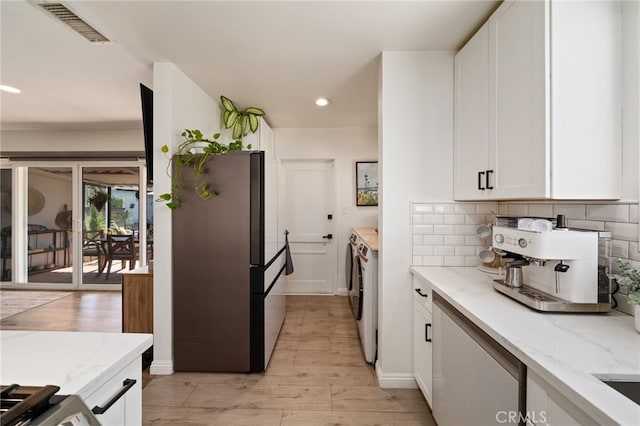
[{"x": 59, "y": 223}]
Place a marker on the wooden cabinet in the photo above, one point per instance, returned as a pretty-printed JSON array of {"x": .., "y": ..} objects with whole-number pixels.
[
  {"x": 550, "y": 107},
  {"x": 422, "y": 339},
  {"x": 137, "y": 301}
]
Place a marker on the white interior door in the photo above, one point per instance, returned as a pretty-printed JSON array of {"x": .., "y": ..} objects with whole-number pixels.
[{"x": 307, "y": 205}]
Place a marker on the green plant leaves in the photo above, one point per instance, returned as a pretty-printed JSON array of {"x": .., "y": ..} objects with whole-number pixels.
[
  {"x": 253, "y": 123},
  {"x": 231, "y": 119},
  {"x": 254, "y": 111},
  {"x": 227, "y": 104}
]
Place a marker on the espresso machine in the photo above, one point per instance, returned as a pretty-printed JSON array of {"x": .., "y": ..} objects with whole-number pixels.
[{"x": 552, "y": 268}]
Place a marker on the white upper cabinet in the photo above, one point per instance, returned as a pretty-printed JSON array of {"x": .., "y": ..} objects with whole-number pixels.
[
  {"x": 549, "y": 126},
  {"x": 471, "y": 138}
]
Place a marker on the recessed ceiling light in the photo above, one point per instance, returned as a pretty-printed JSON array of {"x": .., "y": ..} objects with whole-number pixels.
[
  {"x": 9, "y": 89},
  {"x": 322, "y": 101}
]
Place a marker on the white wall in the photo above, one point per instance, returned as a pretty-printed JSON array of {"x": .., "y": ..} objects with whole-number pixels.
[
  {"x": 178, "y": 104},
  {"x": 416, "y": 152},
  {"x": 345, "y": 146},
  {"x": 72, "y": 140},
  {"x": 631, "y": 100}
]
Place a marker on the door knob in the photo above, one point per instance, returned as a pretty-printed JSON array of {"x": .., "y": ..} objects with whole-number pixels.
[{"x": 328, "y": 236}]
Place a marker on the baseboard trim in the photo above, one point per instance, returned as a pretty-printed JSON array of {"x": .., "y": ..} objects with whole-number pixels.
[
  {"x": 395, "y": 380},
  {"x": 161, "y": 368},
  {"x": 342, "y": 292}
]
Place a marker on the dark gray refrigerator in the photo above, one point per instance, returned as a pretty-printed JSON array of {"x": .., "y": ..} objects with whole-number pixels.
[{"x": 228, "y": 266}]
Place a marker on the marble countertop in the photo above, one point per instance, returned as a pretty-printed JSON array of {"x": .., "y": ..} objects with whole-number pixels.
[
  {"x": 369, "y": 236},
  {"x": 77, "y": 362},
  {"x": 567, "y": 350}
]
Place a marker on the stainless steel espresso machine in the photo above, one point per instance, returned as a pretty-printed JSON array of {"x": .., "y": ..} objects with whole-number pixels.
[{"x": 553, "y": 268}]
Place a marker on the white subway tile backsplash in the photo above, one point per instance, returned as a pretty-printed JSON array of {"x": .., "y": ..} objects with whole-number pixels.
[
  {"x": 541, "y": 210},
  {"x": 634, "y": 254},
  {"x": 444, "y": 233},
  {"x": 422, "y": 229},
  {"x": 444, "y": 250},
  {"x": 423, "y": 208},
  {"x": 622, "y": 231},
  {"x": 475, "y": 219},
  {"x": 454, "y": 261},
  {"x": 571, "y": 211},
  {"x": 432, "y": 260},
  {"x": 518, "y": 210},
  {"x": 586, "y": 224},
  {"x": 471, "y": 261},
  {"x": 620, "y": 248},
  {"x": 486, "y": 208},
  {"x": 633, "y": 213},
  {"x": 608, "y": 213},
  {"x": 444, "y": 208},
  {"x": 433, "y": 219},
  {"x": 454, "y": 219},
  {"x": 455, "y": 240},
  {"x": 444, "y": 229},
  {"x": 434, "y": 240},
  {"x": 465, "y": 250},
  {"x": 465, "y": 208},
  {"x": 465, "y": 230},
  {"x": 423, "y": 250},
  {"x": 476, "y": 241}
]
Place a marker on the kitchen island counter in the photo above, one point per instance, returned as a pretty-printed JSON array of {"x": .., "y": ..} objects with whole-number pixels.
[
  {"x": 566, "y": 350},
  {"x": 86, "y": 364}
]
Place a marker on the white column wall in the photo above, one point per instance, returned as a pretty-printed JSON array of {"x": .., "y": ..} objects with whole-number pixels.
[
  {"x": 415, "y": 148},
  {"x": 345, "y": 146},
  {"x": 178, "y": 103}
]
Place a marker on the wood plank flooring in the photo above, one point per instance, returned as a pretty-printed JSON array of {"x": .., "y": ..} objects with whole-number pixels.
[{"x": 317, "y": 374}]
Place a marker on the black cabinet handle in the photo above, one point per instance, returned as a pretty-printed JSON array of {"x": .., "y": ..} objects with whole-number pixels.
[
  {"x": 480, "y": 175},
  {"x": 126, "y": 385},
  {"x": 487, "y": 184},
  {"x": 426, "y": 333},
  {"x": 328, "y": 236},
  {"x": 421, "y": 293}
]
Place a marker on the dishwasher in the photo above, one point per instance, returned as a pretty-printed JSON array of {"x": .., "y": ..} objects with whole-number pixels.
[{"x": 475, "y": 380}]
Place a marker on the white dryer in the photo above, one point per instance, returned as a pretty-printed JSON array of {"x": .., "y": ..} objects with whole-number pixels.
[{"x": 367, "y": 300}]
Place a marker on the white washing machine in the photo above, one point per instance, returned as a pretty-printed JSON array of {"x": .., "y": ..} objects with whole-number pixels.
[
  {"x": 367, "y": 300},
  {"x": 351, "y": 263}
]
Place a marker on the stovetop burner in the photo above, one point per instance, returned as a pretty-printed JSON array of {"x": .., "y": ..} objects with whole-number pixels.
[{"x": 20, "y": 404}]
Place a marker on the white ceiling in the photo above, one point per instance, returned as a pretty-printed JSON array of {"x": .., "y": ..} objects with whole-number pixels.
[{"x": 279, "y": 56}]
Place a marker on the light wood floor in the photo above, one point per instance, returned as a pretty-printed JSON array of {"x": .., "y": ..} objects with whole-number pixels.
[{"x": 317, "y": 374}]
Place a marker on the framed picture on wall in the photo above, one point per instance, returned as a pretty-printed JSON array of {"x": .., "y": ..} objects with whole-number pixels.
[{"x": 366, "y": 183}]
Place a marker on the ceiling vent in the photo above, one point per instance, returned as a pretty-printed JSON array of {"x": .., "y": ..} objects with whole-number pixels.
[{"x": 74, "y": 22}]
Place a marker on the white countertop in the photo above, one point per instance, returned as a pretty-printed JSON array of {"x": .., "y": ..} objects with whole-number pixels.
[
  {"x": 77, "y": 362},
  {"x": 566, "y": 350}
]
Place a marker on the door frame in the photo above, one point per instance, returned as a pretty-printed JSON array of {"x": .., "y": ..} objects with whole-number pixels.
[{"x": 335, "y": 222}]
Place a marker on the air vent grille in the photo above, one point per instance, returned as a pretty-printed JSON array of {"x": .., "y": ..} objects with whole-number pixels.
[{"x": 74, "y": 22}]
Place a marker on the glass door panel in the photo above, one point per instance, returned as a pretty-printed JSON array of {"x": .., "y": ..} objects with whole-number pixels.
[
  {"x": 6, "y": 182},
  {"x": 110, "y": 200},
  {"x": 49, "y": 237}
]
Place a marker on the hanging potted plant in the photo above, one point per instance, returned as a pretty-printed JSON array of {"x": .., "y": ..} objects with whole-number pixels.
[
  {"x": 98, "y": 198},
  {"x": 628, "y": 278},
  {"x": 195, "y": 151}
]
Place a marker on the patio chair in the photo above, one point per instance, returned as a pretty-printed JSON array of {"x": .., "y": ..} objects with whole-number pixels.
[
  {"x": 92, "y": 246},
  {"x": 123, "y": 248}
]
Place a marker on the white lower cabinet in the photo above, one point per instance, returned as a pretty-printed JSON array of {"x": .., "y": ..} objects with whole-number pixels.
[
  {"x": 546, "y": 406},
  {"x": 422, "y": 338},
  {"x": 120, "y": 398}
]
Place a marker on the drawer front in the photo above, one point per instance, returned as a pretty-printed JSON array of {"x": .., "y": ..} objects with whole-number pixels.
[
  {"x": 422, "y": 293},
  {"x": 127, "y": 409}
]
